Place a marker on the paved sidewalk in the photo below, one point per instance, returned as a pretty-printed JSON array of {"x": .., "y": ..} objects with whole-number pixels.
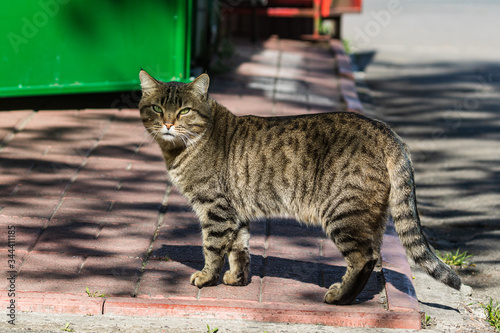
[{"x": 94, "y": 213}]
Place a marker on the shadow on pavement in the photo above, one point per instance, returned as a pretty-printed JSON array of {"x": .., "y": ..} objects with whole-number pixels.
[{"x": 449, "y": 114}]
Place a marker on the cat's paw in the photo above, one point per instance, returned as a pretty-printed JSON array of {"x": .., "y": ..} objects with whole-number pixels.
[
  {"x": 334, "y": 294},
  {"x": 202, "y": 279},
  {"x": 240, "y": 279}
]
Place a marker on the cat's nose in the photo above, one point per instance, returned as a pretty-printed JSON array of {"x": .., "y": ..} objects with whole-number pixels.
[{"x": 168, "y": 126}]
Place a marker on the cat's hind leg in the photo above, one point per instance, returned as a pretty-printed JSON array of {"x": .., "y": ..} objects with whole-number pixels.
[
  {"x": 239, "y": 259},
  {"x": 361, "y": 251}
]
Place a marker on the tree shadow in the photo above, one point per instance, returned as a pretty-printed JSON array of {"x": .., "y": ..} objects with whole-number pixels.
[
  {"x": 308, "y": 273},
  {"x": 448, "y": 113}
]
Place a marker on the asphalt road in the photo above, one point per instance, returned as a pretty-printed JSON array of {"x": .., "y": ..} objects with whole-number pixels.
[{"x": 433, "y": 73}]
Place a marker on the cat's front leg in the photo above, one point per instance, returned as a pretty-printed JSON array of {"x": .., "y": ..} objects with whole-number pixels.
[
  {"x": 239, "y": 259},
  {"x": 218, "y": 236}
]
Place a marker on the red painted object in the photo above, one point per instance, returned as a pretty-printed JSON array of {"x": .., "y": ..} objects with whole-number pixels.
[
  {"x": 317, "y": 9},
  {"x": 308, "y": 8}
]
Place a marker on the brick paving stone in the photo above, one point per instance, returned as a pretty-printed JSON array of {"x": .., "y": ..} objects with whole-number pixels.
[
  {"x": 292, "y": 293},
  {"x": 62, "y": 133},
  {"x": 265, "y": 57},
  {"x": 250, "y": 292},
  {"x": 75, "y": 238},
  {"x": 11, "y": 120},
  {"x": 102, "y": 284},
  {"x": 74, "y": 283},
  {"x": 28, "y": 176},
  {"x": 8, "y": 186},
  {"x": 254, "y": 105},
  {"x": 148, "y": 152},
  {"x": 296, "y": 271},
  {"x": 120, "y": 186},
  {"x": 258, "y": 237},
  {"x": 111, "y": 265},
  {"x": 35, "y": 207},
  {"x": 45, "y": 185},
  {"x": 39, "y": 261},
  {"x": 19, "y": 257},
  {"x": 131, "y": 240},
  {"x": 100, "y": 211},
  {"x": 123, "y": 136},
  {"x": 96, "y": 239},
  {"x": 175, "y": 236},
  {"x": 168, "y": 279},
  {"x": 73, "y": 208},
  {"x": 143, "y": 212},
  {"x": 47, "y": 281},
  {"x": 19, "y": 164},
  {"x": 27, "y": 231},
  {"x": 291, "y": 109},
  {"x": 255, "y": 69},
  {"x": 180, "y": 253},
  {"x": 119, "y": 180},
  {"x": 117, "y": 147},
  {"x": 291, "y": 72}
]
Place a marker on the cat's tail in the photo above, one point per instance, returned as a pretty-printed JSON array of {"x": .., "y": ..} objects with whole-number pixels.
[{"x": 403, "y": 203}]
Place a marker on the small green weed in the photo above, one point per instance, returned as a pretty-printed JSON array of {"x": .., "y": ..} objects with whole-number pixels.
[
  {"x": 347, "y": 46},
  {"x": 215, "y": 330},
  {"x": 94, "y": 293},
  {"x": 492, "y": 311},
  {"x": 426, "y": 320},
  {"x": 456, "y": 259},
  {"x": 66, "y": 328}
]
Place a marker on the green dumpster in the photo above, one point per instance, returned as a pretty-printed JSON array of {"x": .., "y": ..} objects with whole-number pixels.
[{"x": 87, "y": 46}]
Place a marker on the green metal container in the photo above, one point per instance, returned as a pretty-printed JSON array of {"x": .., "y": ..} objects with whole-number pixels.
[{"x": 80, "y": 46}]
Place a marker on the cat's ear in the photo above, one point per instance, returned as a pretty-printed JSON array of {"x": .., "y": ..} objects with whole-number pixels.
[
  {"x": 148, "y": 83},
  {"x": 200, "y": 85}
]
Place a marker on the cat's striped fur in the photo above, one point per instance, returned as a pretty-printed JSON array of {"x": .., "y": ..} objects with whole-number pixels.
[{"x": 338, "y": 170}]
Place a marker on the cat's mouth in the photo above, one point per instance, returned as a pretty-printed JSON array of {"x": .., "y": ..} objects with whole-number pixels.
[{"x": 168, "y": 136}]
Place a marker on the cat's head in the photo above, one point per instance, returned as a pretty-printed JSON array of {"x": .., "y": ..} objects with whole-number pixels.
[{"x": 176, "y": 114}]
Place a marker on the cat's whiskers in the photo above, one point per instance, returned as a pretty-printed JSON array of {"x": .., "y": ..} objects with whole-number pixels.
[
  {"x": 188, "y": 135},
  {"x": 146, "y": 135},
  {"x": 153, "y": 133}
]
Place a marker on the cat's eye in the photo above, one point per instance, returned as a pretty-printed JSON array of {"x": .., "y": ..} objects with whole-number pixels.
[
  {"x": 158, "y": 109},
  {"x": 184, "y": 111}
]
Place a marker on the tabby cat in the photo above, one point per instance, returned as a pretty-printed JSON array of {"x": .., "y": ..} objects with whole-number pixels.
[{"x": 340, "y": 170}]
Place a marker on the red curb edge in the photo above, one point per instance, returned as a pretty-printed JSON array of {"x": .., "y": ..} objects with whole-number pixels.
[
  {"x": 341, "y": 316},
  {"x": 347, "y": 316},
  {"x": 344, "y": 71},
  {"x": 46, "y": 302},
  {"x": 401, "y": 295}
]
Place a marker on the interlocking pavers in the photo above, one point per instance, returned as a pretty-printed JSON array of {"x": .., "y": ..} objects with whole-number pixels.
[
  {"x": 94, "y": 213},
  {"x": 27, "y": 232},
  {"x": 13, "y": 121},
  {"x": 168, "y": 279}
]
